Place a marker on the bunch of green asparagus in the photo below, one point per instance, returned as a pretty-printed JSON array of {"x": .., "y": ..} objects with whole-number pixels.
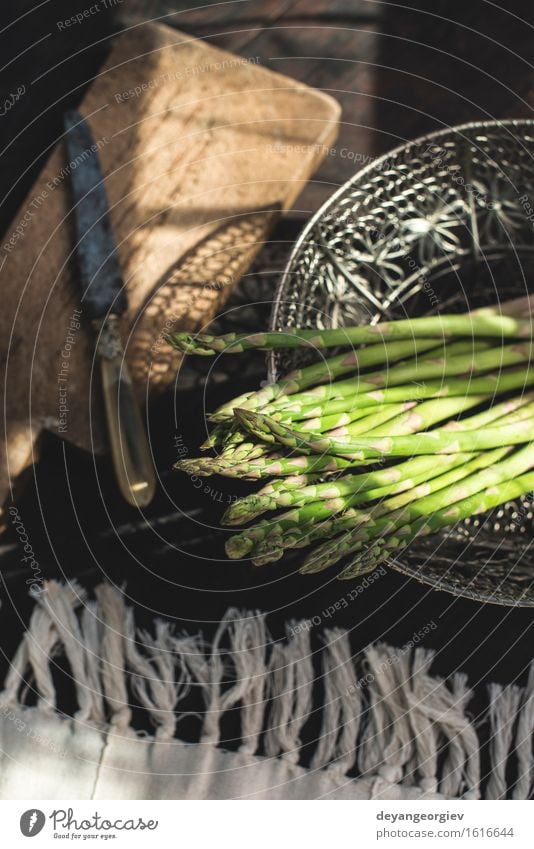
[{"x": 420, "y": 424}]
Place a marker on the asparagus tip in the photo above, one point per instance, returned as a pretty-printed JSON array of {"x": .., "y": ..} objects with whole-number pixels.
[
  {"x": 186, "y": 343},
  {"x": 238, "y": 547}
]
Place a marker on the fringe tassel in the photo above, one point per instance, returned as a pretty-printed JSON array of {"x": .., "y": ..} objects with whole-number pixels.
[
  {"x": 112, "y": 652},
  {"x": 291, "y": 693},
  {"x": 39, "y": 644},
  {"x": 154, "y": 680},
  {"x": 336, "y": 744},
  {"x": 383, "y": 713},
  {"x": 523, "y": 744},
  {"x": 504, "y": 706},
  {"x": 255, "y": 647},
  {"x": 387, "y": 743},
  {"x": 92, "y": 635},
  {"x": 419, "y": 695}
]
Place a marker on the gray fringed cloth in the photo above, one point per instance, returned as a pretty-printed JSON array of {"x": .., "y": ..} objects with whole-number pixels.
[{"x": 404, "y": 733}]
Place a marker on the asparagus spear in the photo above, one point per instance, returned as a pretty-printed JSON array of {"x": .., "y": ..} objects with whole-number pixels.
[
  {"x": 243, "y": 451},
  {"x": 428, "y": 413},
  {"x": 385, "y": 416},
  {"x": 414, "y": 370},
  {"x": 289, "y": 484},
  {"x": 217, "y": 436},
  {"x": 311, "y": 515},
  {"x": 254, "y": 505},
  {"x": 327, "y": 423},
  {"x": 367, "y": 448},
  {"x": 424, "y": 416},
  {"x": 453, "y": 349},
  {"x": 427, "y": 368},
  {"x": 425, "y": 525},
  {"x": 270, "y": 465},
  {"x": 242, "y": 544},
  {"x": 265, "y": 467},
  {"x": 326, "y": 370},
  {"x": 237, "y": 451},
  {"x": 432, "y": 482},
  {"x": 441, "y": 326},
  {"x": 443, "y": 504},
  {"x": 507, "y": 412},
  {"x": 297, "y": 400},
  {"x": 350, "y": 398}
]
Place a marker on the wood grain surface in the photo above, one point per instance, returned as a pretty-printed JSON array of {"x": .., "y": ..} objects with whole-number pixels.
[{"x": 201, "y": 151}]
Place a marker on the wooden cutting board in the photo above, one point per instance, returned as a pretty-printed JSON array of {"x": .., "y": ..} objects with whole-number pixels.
[{"x": 201, "y": 151}]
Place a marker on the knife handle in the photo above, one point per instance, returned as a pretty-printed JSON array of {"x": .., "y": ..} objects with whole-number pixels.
[{"x": 130, "y": 451}]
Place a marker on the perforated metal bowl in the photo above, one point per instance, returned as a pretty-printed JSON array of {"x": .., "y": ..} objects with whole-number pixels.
[{"x": 442, "y": 224}]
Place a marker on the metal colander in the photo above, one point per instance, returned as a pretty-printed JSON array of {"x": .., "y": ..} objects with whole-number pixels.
[{"x": 442, "y": 224}]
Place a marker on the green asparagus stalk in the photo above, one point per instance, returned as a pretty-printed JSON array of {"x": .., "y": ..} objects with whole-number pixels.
[
  {"x": 340, "y": 419},
  {"x": 236, "y": 450},
  {"x": 326, "y": 370},
  {"x": 515, "y": 465},
  {"x": 441, "y": 326},
  {"x": 243, "y": 451},
  {"x": 367, "y": 448},
  {"x": 297, "y": 400},
  {"x": 426, "y": 525},
  {"x": 368, "y": 420},
  {"x": 442, "y": 503},
  {"x": 315, "y": 512},
  {"x": 368, "y": 559},
  {"x": 217, "y": 436},
  {"x": 381, "y": 550},
  {"x": 349, "y": 398},
  {"x": 289, "y": 484},
  {"x": 254, "y": 505},
  {"x": 266, "y": 467},
  {"x": 384, "y": 416},
  {"x": 423, "y": 487},
  {"x": 233, "y": 437},
  {"x": 375, "y": 404},
  {"x": 268, "y": 499},
  {"x": 242, "y": 544},
  {"x": 424, "y": 416},
  {"x": 431, "y": 415},
  {"x": 267, "y": 541},
  {"x": 466, "y": 365},
  {"x": 427, "y": 414},
  {"x": 414, "y": 370}
]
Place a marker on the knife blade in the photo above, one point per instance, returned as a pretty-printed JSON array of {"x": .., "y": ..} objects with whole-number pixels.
[{"x": 103, "y": 299}]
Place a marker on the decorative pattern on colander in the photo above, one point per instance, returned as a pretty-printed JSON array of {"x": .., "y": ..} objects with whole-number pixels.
[
  {"x": 501, "y": 215},
  {"x": 434, "y": 232},
  {"x": 423, "y": 208}
]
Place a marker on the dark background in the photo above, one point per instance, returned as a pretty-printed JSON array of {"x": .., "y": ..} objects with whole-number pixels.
[{"x": 398, "y": 71}]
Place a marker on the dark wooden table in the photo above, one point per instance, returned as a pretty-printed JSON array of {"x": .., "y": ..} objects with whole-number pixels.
[{"x": 398, "y": 71}]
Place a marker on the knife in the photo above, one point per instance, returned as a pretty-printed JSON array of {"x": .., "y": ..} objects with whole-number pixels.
[{"x": 104, "y": 301}]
